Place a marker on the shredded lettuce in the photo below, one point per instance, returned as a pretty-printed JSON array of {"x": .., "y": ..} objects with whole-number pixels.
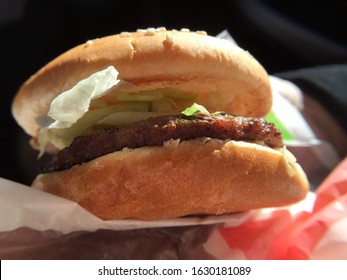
[
  {"x": 120, "y": 119},
  {"x": 165, "y": 105},
  {"x": 140, "y": 96},
  {"x": 68, "y": 107},
  {"x": 195, "y": 109},
  {"x": 81, "y": 109},
  {"x": 154, "y": 95}
]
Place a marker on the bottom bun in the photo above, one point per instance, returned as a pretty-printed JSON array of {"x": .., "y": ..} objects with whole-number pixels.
[{"x": 201, "y": 176}]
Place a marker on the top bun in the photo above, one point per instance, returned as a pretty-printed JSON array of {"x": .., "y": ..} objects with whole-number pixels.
[{"x": 224, "y": 77}]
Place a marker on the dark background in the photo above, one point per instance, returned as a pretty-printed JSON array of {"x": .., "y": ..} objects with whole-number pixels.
[{"x": 282, "y": 35}]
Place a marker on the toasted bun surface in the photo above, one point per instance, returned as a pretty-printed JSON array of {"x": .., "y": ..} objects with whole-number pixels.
[
  {"x": 201, "y": 176},
  {"x": 225, "y": 77}
]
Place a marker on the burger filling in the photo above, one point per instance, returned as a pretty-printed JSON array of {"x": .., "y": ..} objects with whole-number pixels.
[
  {"x": 103, "y": 114},
  {"x": 103, "y": 100},
  {"x": 156, "y": 131}
]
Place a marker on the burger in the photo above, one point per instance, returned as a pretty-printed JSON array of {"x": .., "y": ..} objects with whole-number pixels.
[{"x": 158, "y": 124}]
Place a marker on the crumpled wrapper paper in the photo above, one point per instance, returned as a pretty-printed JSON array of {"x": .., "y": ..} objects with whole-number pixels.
[
  {"x": 42, "y": 226},
  {"x": 315, "y": 228},
  {"x": 38, "y": 225}
]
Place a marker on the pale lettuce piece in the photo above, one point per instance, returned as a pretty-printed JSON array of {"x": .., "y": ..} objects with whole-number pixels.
[
  {"x": 195, "y": 109},
  {"x": 139, "y": 96},
  {"x": 154, "y": 95},
  {"x": 164, "y": 105},
  {"x": 68, "y": 107},
  {"x": 43, "y": 140},
  {"x": 126, "y": 118}
]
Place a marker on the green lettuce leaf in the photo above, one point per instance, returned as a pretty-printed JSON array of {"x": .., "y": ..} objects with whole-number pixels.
[{"x": 195, "y": 109}]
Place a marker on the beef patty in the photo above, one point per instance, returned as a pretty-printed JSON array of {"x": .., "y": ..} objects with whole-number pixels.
[{"x": 156, "y": 131}]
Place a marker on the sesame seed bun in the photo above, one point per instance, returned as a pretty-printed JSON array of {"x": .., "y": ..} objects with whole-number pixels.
[{"x": 224, "y": 77}]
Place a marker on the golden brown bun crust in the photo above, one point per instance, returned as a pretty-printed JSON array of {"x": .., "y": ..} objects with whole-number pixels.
[
  {"x": 225, "y": 77},
  {"x": 195, "y": 177}
]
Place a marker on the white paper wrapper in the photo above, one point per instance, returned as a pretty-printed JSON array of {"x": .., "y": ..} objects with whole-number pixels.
[
  {"x": 36, "y": 225},
  {"x": 22, "y": 206}
]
